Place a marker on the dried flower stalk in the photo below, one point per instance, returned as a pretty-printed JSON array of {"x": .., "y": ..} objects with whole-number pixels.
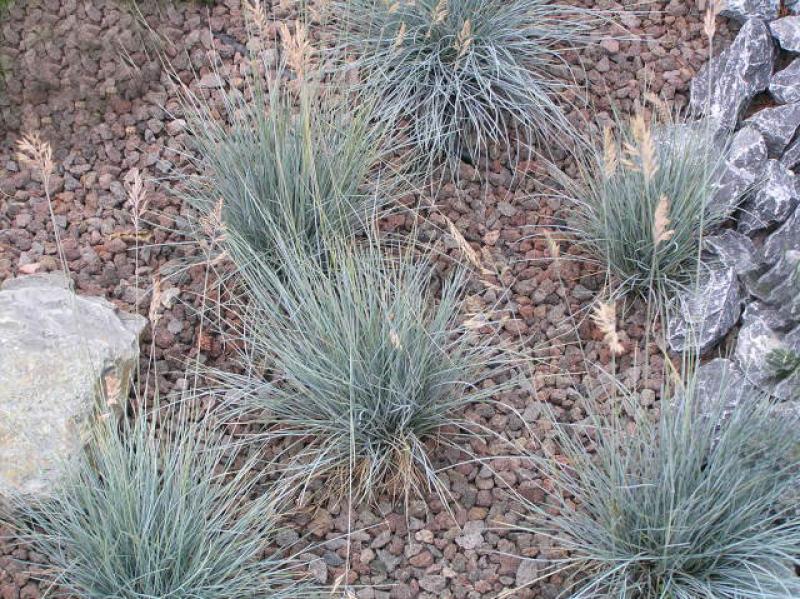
[
  {"x": 464, "y": 39},
  {"x": 645, "y": 146},
  {"x": 604, "y": 316},
  {"x": 610, "y": 158},
  {"x": 296, "y": 47},
  {"x": 661, "y": 221},
  {"x": 137, "y": 196}
]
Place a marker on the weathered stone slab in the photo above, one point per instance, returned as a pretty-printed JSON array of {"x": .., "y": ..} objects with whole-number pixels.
[
  {"x": 741, "y": 10},
  {"x": 787, "y": 32},
  {"x": 726, "y": 85},
  {"x": 764, "y": 330},
  {"x": 62, "y": 357},
  {"x": 783, "y": 239},
  {"x": 701, "y": 318},
  {"x": 785, "y": 84},
  {"x": 735, "y": 251},
  {"x": 744, "y": 169},
  {"x": 777, "y": 124},
  {"x": 773, "y": 202}
]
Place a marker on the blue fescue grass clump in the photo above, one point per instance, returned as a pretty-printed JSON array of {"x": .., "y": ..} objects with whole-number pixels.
[
  {"x": 159, "y": 511},
  {"x": 301, "y": 164},
  {"x": 360, "y": 365},
  {"x": 644, "y": 199},
  {"x": 700, "y": 501},
  {"x": 460, "y": 76}
]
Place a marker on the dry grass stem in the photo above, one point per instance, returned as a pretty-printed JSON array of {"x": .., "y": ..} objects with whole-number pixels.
[
  {"x": 610, "y": 158},
  {"x": 137, "y": 196},
  {"x": 401, "y": 36},
  {"x": 296, "y": 48},
  {"x": 645, "y": 146},
  {"x": 604, "y": 316},
  {"x": 464, "y": 39},
  {"x": 661, "y": 221}
]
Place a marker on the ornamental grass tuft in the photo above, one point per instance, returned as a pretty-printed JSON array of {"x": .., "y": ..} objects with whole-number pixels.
[
  {"x": 700, "y": 501},
  {"x": 152, "y": 511},
  {"x": 645, "y": 198},
  {"x": 357, "y": 368},
  {"x": 292, "y": 162},
  {"x": 461, "y": 76}
]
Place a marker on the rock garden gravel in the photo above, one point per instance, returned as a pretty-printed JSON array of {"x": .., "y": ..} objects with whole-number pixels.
[{"x": 87, "y": 76}]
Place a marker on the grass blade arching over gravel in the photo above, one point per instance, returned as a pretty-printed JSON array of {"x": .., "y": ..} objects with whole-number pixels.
[
  {"x": 144, "y": 515},
  {"x": 365, "y": 366},
  {"x": 464, "y": 75},
  {"x": 644, "y": 199},
  {"x": 699, "y": 502}
]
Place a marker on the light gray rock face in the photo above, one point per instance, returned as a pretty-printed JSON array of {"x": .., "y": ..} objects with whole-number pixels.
[
  {"x": 773, "y": 202},
  {"x": 763, "y": 331},
  {"x": 699, "y": 320},
  {"x": 778, "y": 126},
  {"x": 62, "y": 356},
  {"x": 793, "y": 6},
  {"x": 780, "y": 286},
  {"x": 744, "y": 169},
  {"x": 726, "y": 85},
  {"x": 741, "y": 10},
  {"x": 722, "y": 380},
  {"x": 735, "y": 250},
  {"x": 783, "y": 239},
  {"x": 785, "y": 84},
  {"x": 791, "y": 157},
  {"x": 787, "y": 32}
]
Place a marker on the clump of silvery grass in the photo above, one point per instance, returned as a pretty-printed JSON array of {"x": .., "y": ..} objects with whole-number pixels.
[
  {"x": 699, "y": 501},
  {"x": 159, "y": 511},
  {"x": 461, "y": 76},
  {"x": 360, "y": 366},
  {"x": 644, "y": 200},
  {"x": 296, "y": 160}
]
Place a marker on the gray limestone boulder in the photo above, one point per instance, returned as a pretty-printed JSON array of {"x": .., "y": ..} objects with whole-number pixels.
[
  {"x": 780, "y": 286},
  {"x": 787, "y": 32},
  {"x": 63, "y": 359},
  {"x": 765, "y": 331},
  {"x": 785, "y": 84},
  {"x": 725, "y": 86},
  {"x": 721, "y": 380},
  {"x": 784, "y": 239},
  {"x": 743, "y": 171},
  {"x": 772, "y": 202},
  {"x": 735, "y": 250},
  {"x": 778, "y": 125},
  {"x": 702, "y": 317},
  {"x": 741, "y": 10},
  {"x": 791, "y": 156}
]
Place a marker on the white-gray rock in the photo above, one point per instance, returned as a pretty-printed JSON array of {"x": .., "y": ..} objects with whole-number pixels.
[
  {"x": 785, "y": 84},
  {"x": 735, "y": 251},
  {"x": 777, "y": 124},
  {"x": 743, "y": 171},
  {"x": 701, "y": 318},
  {"x": 780, "y": 286},
  {"x": 741, "y": 10},
  {"x": 783, "y": 239},
  {"x": 791, "y": 156},
  {"x": 787, "y": 31},
  {"x": 763, "y": 331},
  {"x": 721, "y": 380},
  {"x": 62, "y": 357},
  {"x": 772, "y": 202},
  {"x": 725, "y": 86}
]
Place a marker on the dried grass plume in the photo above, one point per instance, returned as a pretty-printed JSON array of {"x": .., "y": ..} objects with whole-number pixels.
[{"x": 604, "y": 316}]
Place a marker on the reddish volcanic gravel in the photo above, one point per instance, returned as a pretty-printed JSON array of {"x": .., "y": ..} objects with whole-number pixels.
[{"x": 87, "y": 77}]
